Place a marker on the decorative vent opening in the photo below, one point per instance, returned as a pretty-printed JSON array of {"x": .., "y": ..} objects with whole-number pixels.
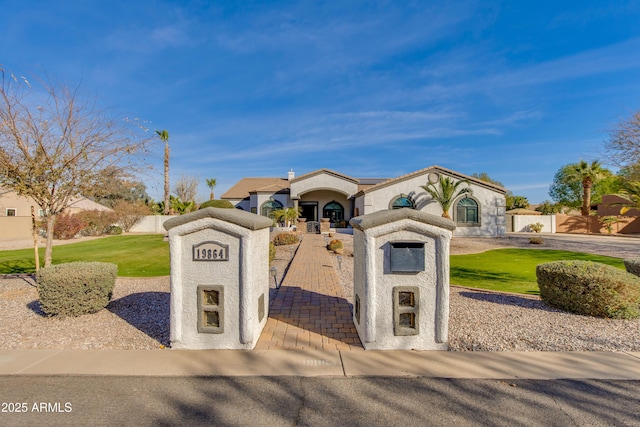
[
  {"x": 210, "y": 309},
  {"x": 406, "y": 310}
]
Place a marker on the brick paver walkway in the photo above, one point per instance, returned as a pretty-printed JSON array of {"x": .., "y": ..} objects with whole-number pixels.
[{"x": 310, "y": 311}]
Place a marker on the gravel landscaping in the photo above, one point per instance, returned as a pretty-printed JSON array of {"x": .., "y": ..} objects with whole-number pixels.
[
  {"x": 490, "y": 321},
  {"x": 138, "y": 316}
]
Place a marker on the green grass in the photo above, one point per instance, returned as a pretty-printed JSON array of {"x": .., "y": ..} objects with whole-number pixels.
[
  {"x": 136, "y": 256},
  {"x": 512, "y": 270}
]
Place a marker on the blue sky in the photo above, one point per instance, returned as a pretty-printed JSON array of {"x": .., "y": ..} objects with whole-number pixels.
[{"x": 515, "y": 89}]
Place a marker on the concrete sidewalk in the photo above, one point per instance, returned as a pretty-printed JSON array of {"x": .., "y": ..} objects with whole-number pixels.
[
  {"x": 310, "y": 334},
  {"x": 323, "y": 363}
]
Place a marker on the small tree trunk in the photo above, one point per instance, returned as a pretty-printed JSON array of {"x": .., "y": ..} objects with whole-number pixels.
[
  {"x": 586, "y": 200},
  {"x": 166, "y": 179},
  {"x": 49, "y": 248},
  {"x": 34, "y": 230}
]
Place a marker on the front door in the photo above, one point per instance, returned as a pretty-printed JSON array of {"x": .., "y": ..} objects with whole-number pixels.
[{"x": 309, "y": 210}]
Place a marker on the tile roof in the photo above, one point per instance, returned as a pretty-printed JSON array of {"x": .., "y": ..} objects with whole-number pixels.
[
  {"x": 435, "y": 168},
  {"x": 245, "y": 186},
  {"x": 327, "y": 171}
]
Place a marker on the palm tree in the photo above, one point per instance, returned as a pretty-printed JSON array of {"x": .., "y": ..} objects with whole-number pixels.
[
  {"x": 285, "y": 215},
  {"x": 587, "y": 174},
  {"x": 181, "y": 207},
  {"x": 211, "y": 182},
  {"x": 631, "y": 191},
  {"x": 164, "y": 136},
  {"x": 446, "y": 192}
]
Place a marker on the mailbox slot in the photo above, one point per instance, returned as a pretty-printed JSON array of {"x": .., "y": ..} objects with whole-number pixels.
[{"x": 407, "y": 257}]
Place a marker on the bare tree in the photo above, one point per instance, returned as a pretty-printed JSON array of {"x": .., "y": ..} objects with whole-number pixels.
[
  {"x": 623, "y": 147},
  {"x": 186, "y": 188},
  {"x": 56, "y": 143}
]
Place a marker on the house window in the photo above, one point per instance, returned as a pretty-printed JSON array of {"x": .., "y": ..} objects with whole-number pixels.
[
  {"x": 270, "y": 206},
  {"x": 334, "y": 211},
  {"x": 403, "y": 202},
  {"x": 467, "y": 212},
  {"x": 12, "y": 212}
]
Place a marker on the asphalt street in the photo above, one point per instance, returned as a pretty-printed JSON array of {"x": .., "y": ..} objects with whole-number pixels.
[{"x": 304, "y": 401}]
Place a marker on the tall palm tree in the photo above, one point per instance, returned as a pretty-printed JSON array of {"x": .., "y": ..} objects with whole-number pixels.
[
  {"x": 587, "y": 174},
  {"x": 164, "y": 136},
  {"x": 446, "y": 192},
  {"x": 211, "y": 182}
]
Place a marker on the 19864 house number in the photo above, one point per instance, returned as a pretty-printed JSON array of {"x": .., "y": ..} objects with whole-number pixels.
[{"x": 210, "y": 251}]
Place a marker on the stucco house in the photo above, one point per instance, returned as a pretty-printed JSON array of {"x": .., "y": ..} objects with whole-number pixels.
[
  {"x": 15, "y": 213},
  {"x": 328, "y": 194}
]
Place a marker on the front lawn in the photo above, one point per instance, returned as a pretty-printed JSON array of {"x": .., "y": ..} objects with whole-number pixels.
[
  {"x": 136, "y": 256},
  {"x": 512, "y": 270}
]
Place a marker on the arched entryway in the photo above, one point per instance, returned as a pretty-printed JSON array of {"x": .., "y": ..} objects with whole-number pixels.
[
  {"x": 335, "y": 212},
  {"x": 268, "y": 207}
]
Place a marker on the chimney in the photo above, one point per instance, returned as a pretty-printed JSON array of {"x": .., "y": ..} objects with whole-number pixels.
[{"x": 291, "y": 175}]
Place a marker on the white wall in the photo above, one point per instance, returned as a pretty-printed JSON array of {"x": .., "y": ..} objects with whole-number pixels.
[
  {"x": 521, "y": 222},
  {"x": 152, "y": 224}
]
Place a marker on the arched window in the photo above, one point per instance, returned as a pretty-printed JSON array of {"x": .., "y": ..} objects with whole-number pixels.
[
  {"x": 270, "y": 206},
  {"x": 334, "y": 211},
  {"x": 467, "y": 211},
  {"x": 403, "y": 202}
]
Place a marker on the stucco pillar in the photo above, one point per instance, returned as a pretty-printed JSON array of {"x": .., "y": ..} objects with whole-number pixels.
[
  {"x": 401, "y": 280},
  {"x": 219, "y": 278}
]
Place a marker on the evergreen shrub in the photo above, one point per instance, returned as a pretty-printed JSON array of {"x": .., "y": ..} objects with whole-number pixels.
[
  {"x": 633, "y": 266},
  {"x": 76, "y": 288},
  {"x": 286, "y": 239},
  {"x": 217, "y": 204},
  {"x": 589, "y": 288}
]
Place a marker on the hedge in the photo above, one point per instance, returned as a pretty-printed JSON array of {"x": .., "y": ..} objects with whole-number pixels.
[
  {"x": 76, "y": 288},
  {"x": 633, "y": 266},
  {"x": 217, "y": 204},
  {"x": 589, "y": 288}
]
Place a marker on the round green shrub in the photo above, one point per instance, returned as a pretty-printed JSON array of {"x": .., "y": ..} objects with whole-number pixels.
[
  {"x": 286, "y": 239},
  {"x": 336, "y": 246},
  {"x": 633, "y": 266},
  {"x": 76, "y": 288},
  {"x": 589, "y": 288},
  {"x": 217, "y": 204}
]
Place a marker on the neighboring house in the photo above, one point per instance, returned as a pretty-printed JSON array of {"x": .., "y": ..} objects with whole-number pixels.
[
  {"x": 611, "y": 206},
  {"x": 15, "y": 213},
  {"x": 329, "y": 194}
]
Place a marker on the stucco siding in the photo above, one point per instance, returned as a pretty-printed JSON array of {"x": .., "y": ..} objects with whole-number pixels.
[
  {"x": 491, "y": 205},
  {"x": 323, "y": 197},
  {"x": 323, "y": 181}
]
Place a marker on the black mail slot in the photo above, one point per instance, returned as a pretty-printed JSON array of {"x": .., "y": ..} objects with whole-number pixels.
[{"x": 407, "y": 257}]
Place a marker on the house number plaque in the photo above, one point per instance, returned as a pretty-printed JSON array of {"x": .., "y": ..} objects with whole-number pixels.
[{"x": 210, "y": 251}]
